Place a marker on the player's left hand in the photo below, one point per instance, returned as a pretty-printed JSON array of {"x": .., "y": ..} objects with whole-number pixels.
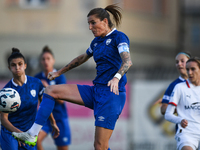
[
  {"x": 55, "y": 130},
  {"x": 114, "y": 85},
  {"x": 184, "y": 123},
  {"x": 20, "y": 143}
]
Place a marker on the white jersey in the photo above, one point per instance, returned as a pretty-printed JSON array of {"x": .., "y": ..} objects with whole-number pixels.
[{"x": 186, "y": 97}]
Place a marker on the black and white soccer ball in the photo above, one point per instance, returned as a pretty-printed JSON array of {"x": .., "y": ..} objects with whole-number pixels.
[{"x": 10, "y": 100}]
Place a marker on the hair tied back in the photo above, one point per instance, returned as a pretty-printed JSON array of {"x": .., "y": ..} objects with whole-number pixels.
[{"x": 15, "y": 50}]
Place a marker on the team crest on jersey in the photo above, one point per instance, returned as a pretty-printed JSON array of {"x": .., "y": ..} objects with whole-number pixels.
[
  {"x": 108, "y": 41},
  {"x": 95, "y": 44},
  {"x": 33, "y": 93},
  {"x": 52, "y": 82}
]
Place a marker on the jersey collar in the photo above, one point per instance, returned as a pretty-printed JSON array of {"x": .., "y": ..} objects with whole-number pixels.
[
  {"x": 111, "y": 32},
  {"x": 182, "y": 79},
  {"x": 15, "y": 84}
]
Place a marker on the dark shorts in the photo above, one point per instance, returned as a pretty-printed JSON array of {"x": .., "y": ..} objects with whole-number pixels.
[
  {"x": 106, "y": 105},
  {"x": 8, "y": 142},
  {"x": 65, "y": 135}
]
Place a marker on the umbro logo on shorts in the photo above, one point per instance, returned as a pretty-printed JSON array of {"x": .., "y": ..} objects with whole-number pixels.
[{"x": 101, "y": 118}]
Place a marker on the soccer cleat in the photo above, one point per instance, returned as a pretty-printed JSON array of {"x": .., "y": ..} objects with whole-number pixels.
[{"x": 25, "y": 137}]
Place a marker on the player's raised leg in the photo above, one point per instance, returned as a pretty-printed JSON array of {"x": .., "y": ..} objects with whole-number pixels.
[{"x": 67, "y": 92}]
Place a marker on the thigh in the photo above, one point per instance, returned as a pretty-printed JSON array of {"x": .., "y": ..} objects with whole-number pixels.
[
  {"x": 41, "y": 136},
  {"x": 8, "y": 142},
  {"x": 47, "y": 127},
  {"x": 186, "y": 141},
  {"x": 188, "y": 148},
  {"x": 107, "y": 109},
  {"x": 66, "y": 92}
]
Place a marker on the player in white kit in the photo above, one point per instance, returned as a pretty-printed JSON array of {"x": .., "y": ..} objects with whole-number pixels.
[{"x": 186, "y": 99}]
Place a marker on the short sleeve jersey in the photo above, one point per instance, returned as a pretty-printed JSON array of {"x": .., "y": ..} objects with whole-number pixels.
[
  {"x": 168, "y": 92},
  {"x": 186, "y": 98},
  {"x": 29, "y": 92},
  {"x": 60, "y": 110},
  {"x": 106, "y": 55}
]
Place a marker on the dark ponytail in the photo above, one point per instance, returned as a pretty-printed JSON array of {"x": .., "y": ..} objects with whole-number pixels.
[
  {"x": 15, "y": 54},
  {"x": 103, "y": 13}
]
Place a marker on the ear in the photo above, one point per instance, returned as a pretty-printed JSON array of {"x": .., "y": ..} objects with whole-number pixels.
[
  {"x": 105, "y": 20},
  {"x": 9, "y": 67},
  {"x": 25, "y": 65}
]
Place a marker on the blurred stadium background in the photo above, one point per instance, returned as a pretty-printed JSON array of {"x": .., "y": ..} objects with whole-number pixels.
[{"x": 158, "y": 30}]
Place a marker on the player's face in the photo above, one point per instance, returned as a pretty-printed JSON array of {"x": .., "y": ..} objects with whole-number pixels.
[
  {"x": 181, "y": 60},
  {"x": 98, "y": 27},
  {"x": 17, "y": 67},
  {"x": 47, "y": 62},
  {"x": 193, "y": 72}
]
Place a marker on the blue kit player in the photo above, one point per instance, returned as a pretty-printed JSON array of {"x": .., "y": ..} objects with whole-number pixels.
[
  {"x": 60, "y": 110},
  {"x": 29, "y": 89},
  {"x": 110, "y": 50}
]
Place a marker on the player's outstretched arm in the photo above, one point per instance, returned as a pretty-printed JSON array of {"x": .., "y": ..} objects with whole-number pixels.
[{"x": 73, "y": 64}]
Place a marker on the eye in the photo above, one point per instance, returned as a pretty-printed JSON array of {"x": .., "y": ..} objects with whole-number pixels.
[{"x": 93, "y": 22}]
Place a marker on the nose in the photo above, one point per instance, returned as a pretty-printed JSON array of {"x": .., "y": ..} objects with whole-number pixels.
[
  {"x": 179, "y": 63},
  {"x": 90, "y": 26},
  {"x": 17, "y": 67},
  {"x": 189, "y": 72}
]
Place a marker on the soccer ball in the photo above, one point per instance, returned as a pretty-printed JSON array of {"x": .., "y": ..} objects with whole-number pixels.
[{"x": 10, "y": 100}]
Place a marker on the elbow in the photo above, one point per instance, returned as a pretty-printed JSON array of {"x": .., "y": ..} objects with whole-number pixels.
[
  {"x": 162, "y": 111},
  {"x": 163, "y": 108},
  {"x": 130, "y": 64}
]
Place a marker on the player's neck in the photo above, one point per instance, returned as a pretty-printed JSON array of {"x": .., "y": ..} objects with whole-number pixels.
[
  {"x": 19, "y": 80},
  {"x": 47, "y": 71},
  {"x": 184, "y": 76}
]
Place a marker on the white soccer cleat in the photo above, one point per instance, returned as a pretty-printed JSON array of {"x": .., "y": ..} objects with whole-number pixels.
[{"x": 25, "y": 137}]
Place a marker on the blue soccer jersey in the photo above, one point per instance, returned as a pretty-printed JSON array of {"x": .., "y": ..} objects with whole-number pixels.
[
  {"x": 106, "y": 54},
  {"x": 60, "y": 110},
  {"x": 29, "y": 92},
  {"x": 168, "y": 92}
]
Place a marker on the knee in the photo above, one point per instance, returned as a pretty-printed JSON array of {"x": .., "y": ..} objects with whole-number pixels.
[
  {"x": 49, "y": 90},
  {"x": 100, "y": 145}
]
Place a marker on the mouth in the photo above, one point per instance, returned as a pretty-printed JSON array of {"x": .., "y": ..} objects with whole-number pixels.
[{"x": 190, "y": 77}]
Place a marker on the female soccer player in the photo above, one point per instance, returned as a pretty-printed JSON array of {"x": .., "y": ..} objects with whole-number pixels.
[
  {"x": 110, "y": 50},
  {"x": 186, "y": 100},
  {"x": 180, "y": 59},
  {"x": 60, "y": 110},
  {"x": 29, "y": 89}
]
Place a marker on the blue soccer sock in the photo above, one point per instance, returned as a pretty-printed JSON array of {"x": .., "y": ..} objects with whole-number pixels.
[{"x": 44, "y": 111}]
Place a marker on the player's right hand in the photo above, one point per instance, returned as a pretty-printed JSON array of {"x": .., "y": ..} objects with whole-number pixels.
[{"x": 52, "y": 75}]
